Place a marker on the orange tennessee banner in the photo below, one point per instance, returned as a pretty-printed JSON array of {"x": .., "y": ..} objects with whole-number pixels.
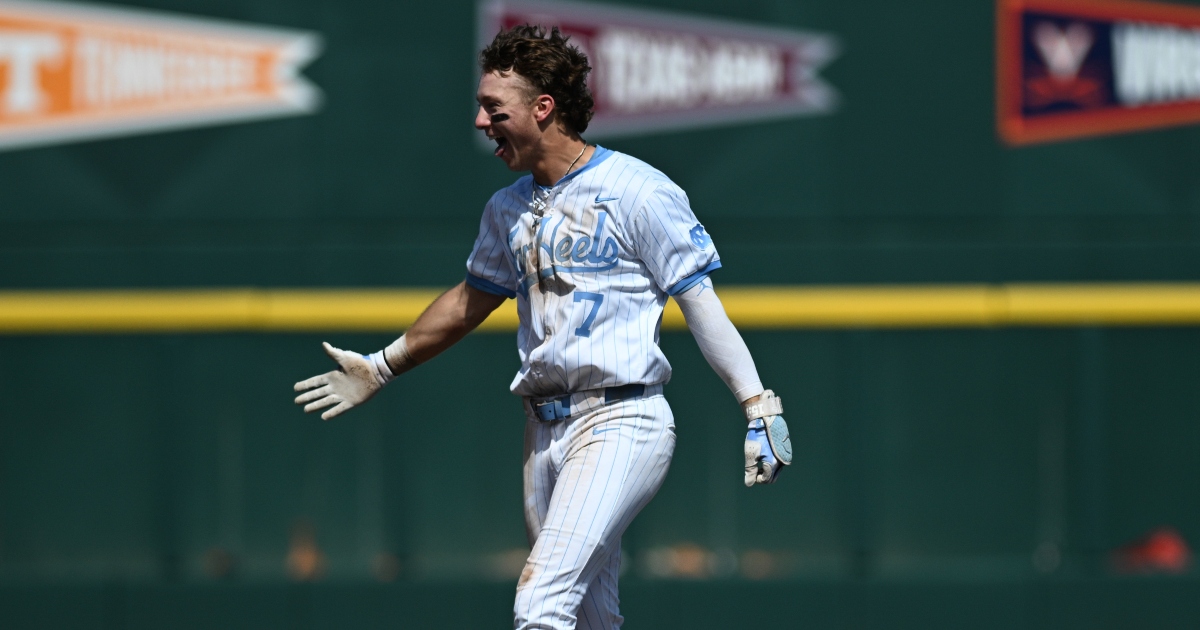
[{"x": 72, "y": 72}]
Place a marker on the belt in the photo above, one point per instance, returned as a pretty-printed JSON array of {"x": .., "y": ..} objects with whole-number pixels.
[{"x": 561, "y": 407}]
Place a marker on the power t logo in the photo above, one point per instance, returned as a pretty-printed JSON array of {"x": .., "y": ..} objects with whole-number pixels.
[
  {"x": 74, "y": 72},
  {"x": 24, "y": 54}
]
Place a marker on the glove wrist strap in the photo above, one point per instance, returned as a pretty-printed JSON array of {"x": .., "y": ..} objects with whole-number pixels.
[
  {"x": 392, "y": 361},
  {"x": 383, "y": 373},
  {"x": 768, "y": 405}
]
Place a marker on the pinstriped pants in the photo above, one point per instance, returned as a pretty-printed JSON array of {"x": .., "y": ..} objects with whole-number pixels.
[{"x": 586, "y": 477}]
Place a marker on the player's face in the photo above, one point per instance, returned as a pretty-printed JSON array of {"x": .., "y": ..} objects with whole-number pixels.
[{"x": 509, "y": 117}]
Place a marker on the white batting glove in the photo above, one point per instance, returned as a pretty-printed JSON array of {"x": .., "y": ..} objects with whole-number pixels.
[
  {"x": 768, "y": 444},
  {"x": 359, "y": 378}
]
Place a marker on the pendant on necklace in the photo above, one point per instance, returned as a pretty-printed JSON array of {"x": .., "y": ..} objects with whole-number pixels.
[{"x": 539, "y": 203}]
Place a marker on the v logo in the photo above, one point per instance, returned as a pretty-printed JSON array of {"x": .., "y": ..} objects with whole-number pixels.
[{"x": 1063, "y": 51}]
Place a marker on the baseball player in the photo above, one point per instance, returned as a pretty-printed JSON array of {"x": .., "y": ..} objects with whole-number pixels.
[{"x": 590, "y": 244}]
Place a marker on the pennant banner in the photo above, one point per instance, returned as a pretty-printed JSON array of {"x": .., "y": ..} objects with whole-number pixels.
[
  {"x": 72, "y": 72},
  {"x": 1069, "y": 68},
  {"x": 656, "y": 71}
]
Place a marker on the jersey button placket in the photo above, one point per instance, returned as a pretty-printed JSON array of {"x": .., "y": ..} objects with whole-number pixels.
[{"x": 545, "y": 298}]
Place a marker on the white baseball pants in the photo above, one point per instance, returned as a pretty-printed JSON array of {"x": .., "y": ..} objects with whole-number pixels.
[{"x": 586, "y": 477}]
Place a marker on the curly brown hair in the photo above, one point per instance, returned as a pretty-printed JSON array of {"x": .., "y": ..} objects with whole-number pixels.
[{"x": 550, "y": 64}]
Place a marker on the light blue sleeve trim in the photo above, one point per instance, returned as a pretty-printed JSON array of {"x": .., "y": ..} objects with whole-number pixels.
[
  {"x": 692, "y": 280},
  {"x": 488, "y": 286}
]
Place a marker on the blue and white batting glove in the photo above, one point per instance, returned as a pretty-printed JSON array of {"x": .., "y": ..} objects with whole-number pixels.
[{"x": 768, "y": 444}]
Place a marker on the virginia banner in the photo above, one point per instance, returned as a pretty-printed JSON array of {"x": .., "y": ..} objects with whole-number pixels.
[
  {"x": 1071, "y": 68},
  {"x": 72, "y": 72},
  {"x": 656, "y": 71}
]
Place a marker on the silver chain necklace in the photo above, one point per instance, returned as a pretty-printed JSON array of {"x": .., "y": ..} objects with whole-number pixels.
[{"x": 538, "y": 202}]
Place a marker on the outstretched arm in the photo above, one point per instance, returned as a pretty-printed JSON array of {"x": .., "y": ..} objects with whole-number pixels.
[
  {"x": 447, "y": 320},
  {"x": 768, "y": 446},
  {"x": 454, "y": 314}
]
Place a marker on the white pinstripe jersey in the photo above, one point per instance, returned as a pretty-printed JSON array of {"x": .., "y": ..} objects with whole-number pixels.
[{"x": 592, "y": 273}]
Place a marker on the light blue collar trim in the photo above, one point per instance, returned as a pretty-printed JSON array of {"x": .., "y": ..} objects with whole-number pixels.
[{"x": 598, "y": 156}]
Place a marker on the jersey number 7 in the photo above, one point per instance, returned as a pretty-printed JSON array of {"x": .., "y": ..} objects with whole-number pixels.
[{"x": 596, "y": 299}]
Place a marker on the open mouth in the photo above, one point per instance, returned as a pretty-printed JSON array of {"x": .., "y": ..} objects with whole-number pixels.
[{"x": 501, "y": 144}]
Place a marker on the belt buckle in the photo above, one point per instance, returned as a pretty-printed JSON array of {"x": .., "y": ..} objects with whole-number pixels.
[{"x": 554, "y": 409}]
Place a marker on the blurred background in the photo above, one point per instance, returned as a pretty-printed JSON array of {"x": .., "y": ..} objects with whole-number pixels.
[{"x": 956, "y": 476}]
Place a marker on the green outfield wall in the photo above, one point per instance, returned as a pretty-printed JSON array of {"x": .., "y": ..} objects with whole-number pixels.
[{"x": 977, "y": 475}]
